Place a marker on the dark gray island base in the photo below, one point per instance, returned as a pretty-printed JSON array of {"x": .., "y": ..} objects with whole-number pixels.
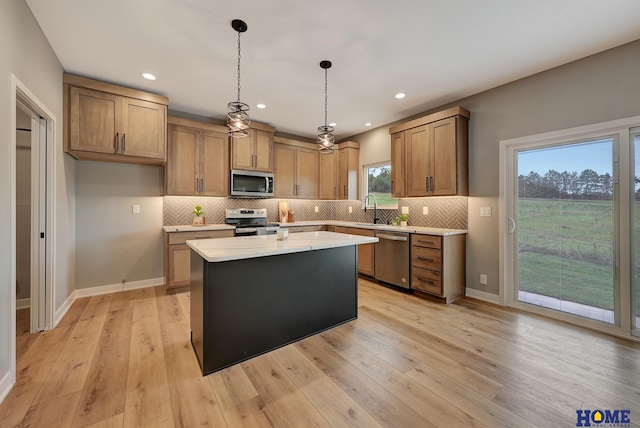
[{"x": 244, "y": 308}]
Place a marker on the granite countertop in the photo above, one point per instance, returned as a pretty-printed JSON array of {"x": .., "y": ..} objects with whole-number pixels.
[
  {"x": 246, "y": 247},
  {"x": 190, "y": 228},
  {"x": 387, "y": 227},
  {"x": 409, "y": 229}
]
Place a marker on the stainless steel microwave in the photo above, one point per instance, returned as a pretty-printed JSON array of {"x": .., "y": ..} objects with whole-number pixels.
[{"x": 252, "y": 184}]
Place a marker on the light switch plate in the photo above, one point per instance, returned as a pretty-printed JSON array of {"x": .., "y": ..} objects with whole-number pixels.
[
  {"x": 350, "y": 210},
  {"x": 425, "y": 210},
  {"x": 405, "y": 210},
  {"x": 135, "y": 209},
  {"x": 315, "y": 209},
  {"x": 485, "y": 211},
  {"x": 483, "y": 279}
]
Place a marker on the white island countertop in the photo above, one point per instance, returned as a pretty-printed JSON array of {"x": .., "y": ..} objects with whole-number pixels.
[{"x": 247, "y": 247}]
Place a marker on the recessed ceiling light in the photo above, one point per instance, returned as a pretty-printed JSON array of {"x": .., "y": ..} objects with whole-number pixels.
[
  {"x": 332, "y": 124},
  {"x": 261, "y": 106},
  {"x": 148, "y": 76},
  {"x": 367, "y": 124},
  {"x": 400, "y": 95}
]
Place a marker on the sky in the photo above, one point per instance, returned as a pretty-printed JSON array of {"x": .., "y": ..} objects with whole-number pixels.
[{"x": 596, "y": 155}]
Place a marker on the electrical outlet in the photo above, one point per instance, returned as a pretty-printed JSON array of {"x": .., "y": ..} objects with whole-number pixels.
[
  {"x": 135, "y": 209},
  {"x": 425, "y": 210},
  {"x": 405, "y": 210},
  {"x": 485, "y": 211},
  {"x": 350, "y": 210},
  {"x": 315, "y": 209},
  {"x": 483, "y": 279}
]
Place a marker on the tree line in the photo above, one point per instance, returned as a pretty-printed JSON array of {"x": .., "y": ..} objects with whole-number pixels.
[{"x": 587, "y": 184}]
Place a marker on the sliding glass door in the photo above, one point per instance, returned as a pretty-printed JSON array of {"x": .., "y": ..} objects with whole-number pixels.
[
  {"x": 563, "y": 227},
  {"x": 635, "y": 227}
]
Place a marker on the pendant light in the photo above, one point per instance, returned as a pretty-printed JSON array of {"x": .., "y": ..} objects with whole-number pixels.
[
  {"x": 326, "y": 140},
  {"x": 238, "y": 120}
]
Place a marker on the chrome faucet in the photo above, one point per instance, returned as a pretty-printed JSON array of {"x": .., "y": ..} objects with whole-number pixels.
[{"x": 375, "y": 206}]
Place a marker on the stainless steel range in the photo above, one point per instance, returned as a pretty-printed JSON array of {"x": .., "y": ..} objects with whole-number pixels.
[{"x": 250, "y": 221}]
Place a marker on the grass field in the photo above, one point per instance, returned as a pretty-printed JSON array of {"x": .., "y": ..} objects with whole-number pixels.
[
  {"x": 383, "y": 199},
  {"x": 566, "y": 250}
]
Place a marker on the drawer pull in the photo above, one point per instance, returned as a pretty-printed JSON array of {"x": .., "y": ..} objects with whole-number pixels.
[
  {"x": 203, "y": 237},
  {"x": 425, "y": 259},
  {"x": 426, "y": 242},
  {"x": 426, "y": 280}
]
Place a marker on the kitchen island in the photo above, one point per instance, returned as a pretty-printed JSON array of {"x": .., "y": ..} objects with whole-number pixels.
[{"x": 250, "y": 295}]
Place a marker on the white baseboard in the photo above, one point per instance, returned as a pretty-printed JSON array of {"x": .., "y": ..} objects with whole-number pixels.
[
  {"x": 103, "y": 289},
  {"x": 23, "y": 303},
  {"x": 5, "y": 386},
  {"x": 482, "y": 295}
]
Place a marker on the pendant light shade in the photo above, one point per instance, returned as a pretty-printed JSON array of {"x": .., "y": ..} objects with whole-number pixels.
[
  {"x": 238, "y": 120},
  {"x": 326, "y": 140}
]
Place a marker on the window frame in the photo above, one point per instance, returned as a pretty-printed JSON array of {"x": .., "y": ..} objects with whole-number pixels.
[{"x": 365, "y": 185}]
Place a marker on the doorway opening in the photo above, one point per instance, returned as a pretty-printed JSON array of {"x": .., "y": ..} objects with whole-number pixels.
[{"x": 32, "y": 195}]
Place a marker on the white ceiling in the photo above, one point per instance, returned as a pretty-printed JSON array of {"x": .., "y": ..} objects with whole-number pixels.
[{"x": 435, "y": 51}]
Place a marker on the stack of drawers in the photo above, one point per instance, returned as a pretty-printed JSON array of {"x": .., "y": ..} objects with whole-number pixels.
[
  {"x": 426, "y": 264},
  {"x": 438, "y": 265}
]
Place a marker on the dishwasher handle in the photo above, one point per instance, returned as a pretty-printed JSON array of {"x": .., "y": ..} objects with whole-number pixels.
[{"x": 392, "y": 237}]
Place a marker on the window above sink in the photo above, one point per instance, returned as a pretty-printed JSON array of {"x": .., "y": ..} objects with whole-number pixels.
[{"x": 376, "y": 180}]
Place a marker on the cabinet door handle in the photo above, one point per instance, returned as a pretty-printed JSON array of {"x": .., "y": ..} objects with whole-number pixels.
[
  {"x": 425, "y": 259},
  {"x": 197, "y": 185},
  {"x": 115, "y": 142},
  {"x": 344, "y": 190},
  {"x": 391, "y": 186},
  {"x": 124, "y": 142},
  {"x": 431, "y": 183},
  {"x": 335, "y": 191},
  {"x": 426, "y": 184}
]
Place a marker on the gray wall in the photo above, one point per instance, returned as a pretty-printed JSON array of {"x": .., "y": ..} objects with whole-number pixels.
[
  {"x": 595, "y": 89},
  {"x": 112, "y": 243},
  {"x": 25, "y": 52}
]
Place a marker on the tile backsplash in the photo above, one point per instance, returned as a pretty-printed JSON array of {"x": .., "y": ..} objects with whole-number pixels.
[{"x": 444, "y": 212}]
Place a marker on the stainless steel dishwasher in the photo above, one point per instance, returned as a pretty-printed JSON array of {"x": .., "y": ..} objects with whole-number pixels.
[{"x": 392, "y": 258}]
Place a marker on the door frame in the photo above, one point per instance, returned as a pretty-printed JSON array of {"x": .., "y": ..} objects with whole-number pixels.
[
  {"x": 20, "y": 93},
  {"x": 508, "y": 148}
]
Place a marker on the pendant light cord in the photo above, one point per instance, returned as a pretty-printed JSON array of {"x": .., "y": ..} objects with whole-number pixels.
[
  {"x": 325, "y": 97},
  {"x": 239, "y": 66}
]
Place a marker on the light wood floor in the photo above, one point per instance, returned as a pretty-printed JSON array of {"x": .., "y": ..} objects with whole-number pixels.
[{"x": 125, "y": 360}]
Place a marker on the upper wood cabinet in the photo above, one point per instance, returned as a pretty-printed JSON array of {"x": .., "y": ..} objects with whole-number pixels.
[
  {"x": 106, "y": 122},
  {"x": 296, "y": 169},
  {"x": 254, "y": 153},
  {"x": 328, "y": 175},
  {"x": 198, "y": 160},
  {"x": 348, "y": 170},
  {"x": 339, "y": 172},
  {"x": 429, "y": 155},
  {"x": 397, "y": 166}
]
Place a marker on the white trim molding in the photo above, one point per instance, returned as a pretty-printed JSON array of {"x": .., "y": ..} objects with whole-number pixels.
[
  {"x": 483, "y": 295},
  {"x": 6, "y": 384},
  {"x": 104, "y": 289},
  {"x": 23, "y": 303}
]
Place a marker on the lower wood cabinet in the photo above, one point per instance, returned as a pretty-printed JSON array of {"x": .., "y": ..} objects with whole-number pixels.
[
  {"x": 438, "y": 265},
  {"x": 177, "y": 254},
  {"x": 366, "y": 252},
  {"x": 306, "y": 228}
]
